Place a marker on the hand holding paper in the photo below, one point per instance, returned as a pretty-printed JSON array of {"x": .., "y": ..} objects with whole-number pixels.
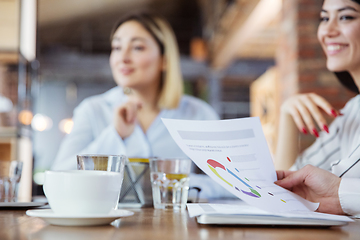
[{"x": 314, "y": 184}]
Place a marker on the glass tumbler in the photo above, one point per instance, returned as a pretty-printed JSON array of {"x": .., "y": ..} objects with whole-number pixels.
[
  {"x": 10, "y": 175},
  {"x": 170, "y": 182}
]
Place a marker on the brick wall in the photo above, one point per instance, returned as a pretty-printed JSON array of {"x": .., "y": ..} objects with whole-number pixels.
[
  {"x": 8, "y": 88},
  {"x": 300, "y": 58},
  {"x": 8, "y": 82}
]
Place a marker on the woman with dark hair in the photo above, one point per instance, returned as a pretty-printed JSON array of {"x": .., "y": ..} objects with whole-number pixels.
[
  {"x": 337, "y": 148},
  {"x": 145, "y": 64}
]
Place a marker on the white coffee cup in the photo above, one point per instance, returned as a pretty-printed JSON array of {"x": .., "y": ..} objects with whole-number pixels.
[{"x": 82, "y": 192}]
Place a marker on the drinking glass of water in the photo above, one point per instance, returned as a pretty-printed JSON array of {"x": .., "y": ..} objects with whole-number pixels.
[
  {"x": 170, "y": 182},
  {"x": 10, "y": 174}
]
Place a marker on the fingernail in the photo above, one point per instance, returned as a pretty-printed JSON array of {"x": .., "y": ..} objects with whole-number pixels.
[
  {"x": 333, "y": 112},
  {"x": 315, "y": 133},
  {"x": 304, "y": 131},
  {"x": 326, "y": 128}
]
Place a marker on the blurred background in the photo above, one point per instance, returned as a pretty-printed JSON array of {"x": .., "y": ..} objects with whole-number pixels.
[{"x": 244, "y": 57}]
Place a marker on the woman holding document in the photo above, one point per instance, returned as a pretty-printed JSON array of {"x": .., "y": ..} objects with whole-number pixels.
[{"x": 337, "y": 148}]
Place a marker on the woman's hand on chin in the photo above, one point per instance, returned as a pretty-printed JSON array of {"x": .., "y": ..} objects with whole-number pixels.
[
  {"x": 125, "y": 118},
  {"x": 305, "y": 108}
]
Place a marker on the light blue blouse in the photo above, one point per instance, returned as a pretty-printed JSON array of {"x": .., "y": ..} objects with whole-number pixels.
[{"x": 94, "y": 133}]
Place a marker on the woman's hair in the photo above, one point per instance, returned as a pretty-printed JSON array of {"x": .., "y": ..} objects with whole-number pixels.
[
  {"x": 345, "y": 78},
  {"x": 171, "y": 83}
]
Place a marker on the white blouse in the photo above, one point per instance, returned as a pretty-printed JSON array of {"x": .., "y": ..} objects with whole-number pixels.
[{"x": 94, "y": 133}]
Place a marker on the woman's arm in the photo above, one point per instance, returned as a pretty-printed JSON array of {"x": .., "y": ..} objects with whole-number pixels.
[
  {"x": 300, "y": 113},
  {"x": 84, "y": 140},
  {"x": 286, "y": 149}
]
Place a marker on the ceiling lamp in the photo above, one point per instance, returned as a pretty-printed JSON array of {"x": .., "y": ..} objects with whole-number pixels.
[
  {"x": 41, "y": 122},
  {"x": 5, "y": 104},
  {"x": 66, "y": 125},
  {"x": 25, "y": 117}
]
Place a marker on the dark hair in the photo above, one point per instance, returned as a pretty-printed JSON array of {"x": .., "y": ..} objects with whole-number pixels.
[
  {"x": 345, "y": 78},
  {"x": 147, "y": 20}
]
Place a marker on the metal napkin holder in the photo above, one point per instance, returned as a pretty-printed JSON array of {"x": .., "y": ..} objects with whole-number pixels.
[{"x": 136, "y": 187}]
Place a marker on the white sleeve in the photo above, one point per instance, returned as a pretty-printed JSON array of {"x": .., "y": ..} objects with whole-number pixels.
[
  {"x": 82, "y": 140},
  {"x": 349, "y": 195}
]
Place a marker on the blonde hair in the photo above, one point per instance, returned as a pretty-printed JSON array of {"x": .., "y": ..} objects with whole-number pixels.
[{"x": 172, "y": 82}]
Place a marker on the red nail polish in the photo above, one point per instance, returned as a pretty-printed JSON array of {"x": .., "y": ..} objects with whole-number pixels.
[
  {"x": 333, "y": 113},
  {"x": 326, "y": 128},
  {"x": 315, "y": 133},
  {"x": 304, "y": 131}
]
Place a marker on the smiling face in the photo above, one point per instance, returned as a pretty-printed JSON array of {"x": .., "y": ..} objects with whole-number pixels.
[
  {"x": 135, "y": 59},
  {"x": 339, "y": 34}
]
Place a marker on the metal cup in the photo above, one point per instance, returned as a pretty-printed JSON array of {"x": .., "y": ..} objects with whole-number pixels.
[{"x": 110, "y": 163}]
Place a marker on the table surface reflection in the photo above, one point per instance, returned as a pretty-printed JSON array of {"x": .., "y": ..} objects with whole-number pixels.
[{"x": 148, "y": 223}]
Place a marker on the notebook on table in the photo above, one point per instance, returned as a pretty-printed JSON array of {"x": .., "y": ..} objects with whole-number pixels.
[{"x": 246, "y": 215}]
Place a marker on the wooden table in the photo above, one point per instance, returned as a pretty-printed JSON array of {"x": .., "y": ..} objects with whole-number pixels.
[{"x": 148, "y": 224}]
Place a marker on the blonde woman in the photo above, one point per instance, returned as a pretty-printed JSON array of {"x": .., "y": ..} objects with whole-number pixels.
[{"x": 126, "y": 120}]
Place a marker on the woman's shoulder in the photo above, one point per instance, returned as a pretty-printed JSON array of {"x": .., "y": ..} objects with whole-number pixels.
[
  {"x": 193, "y": 102},
  {"x": 196, "y": 107},
  {"x": 352, "y": 104},
  {"x": 108, "y": 98}
]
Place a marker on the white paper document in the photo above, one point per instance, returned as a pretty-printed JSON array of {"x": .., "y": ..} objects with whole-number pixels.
[{"x": 235, "y": 154}]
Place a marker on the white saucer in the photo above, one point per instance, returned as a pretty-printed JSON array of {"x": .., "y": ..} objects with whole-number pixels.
[
  {"x": 85, "y": 220},
  {"x": 21, "y": 204}
]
